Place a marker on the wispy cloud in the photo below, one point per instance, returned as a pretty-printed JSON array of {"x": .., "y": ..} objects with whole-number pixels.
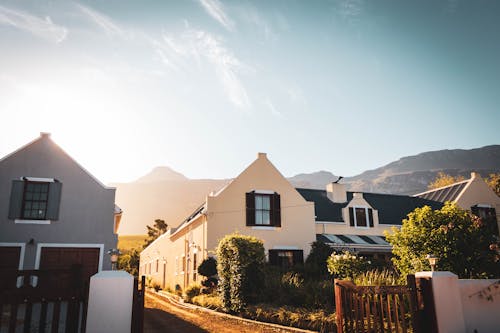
[
  {"x": 103, "y": 21},
  {"x": 215, "y": 9},
  {"x": 251, "y": 15},
  {"x": 271, "y": 108},
  {"x": 180, "y": 51},
  {"x": 43, "y": 28}
]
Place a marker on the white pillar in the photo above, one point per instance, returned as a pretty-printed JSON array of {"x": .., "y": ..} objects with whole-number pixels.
[
  {"x": 110, "y": 302},
  {"x": 447, "y": 301}
]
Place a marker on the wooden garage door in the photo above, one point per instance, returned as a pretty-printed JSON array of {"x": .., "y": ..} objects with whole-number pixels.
[
  {"x": 65, "y": 257},
  {"x": 9, "y": 257}
]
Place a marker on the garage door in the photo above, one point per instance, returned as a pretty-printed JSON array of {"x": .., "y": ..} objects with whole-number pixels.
[
  {"x": 9, "y": 257},
  {"x": 65, "y": 257}
]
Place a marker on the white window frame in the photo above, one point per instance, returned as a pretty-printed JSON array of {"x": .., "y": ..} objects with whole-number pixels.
[{"x": 367, "y": 218}]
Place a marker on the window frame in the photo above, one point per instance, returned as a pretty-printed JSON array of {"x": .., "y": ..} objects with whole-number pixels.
[
  {"x": 27, "y": 183},
  {"x": 274, "y": 210},
  {"x": 354, "y": 218},
  {"x": 274, "y": 257}
]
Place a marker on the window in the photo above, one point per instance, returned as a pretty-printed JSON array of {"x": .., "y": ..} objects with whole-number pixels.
[
  {"x": 35, "y": 199},
  {"x": 263, "y": 209},
  {"x": 157, "y": 264},
  {"x": 361, "y": 217},
  {"x": 286, "y": 258}
]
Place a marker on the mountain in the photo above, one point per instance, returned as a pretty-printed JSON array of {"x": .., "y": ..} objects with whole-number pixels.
[
  {"x": 412, "y": 174},
  {"x": 161, "y": 194},
  {"x": 167, "y": 194}
]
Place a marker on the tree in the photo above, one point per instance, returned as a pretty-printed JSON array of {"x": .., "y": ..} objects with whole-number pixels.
[
  {"x": 493, "y": 182},
  {"x": 129, "y": 261},
  {"x": 158, "y": 228},
  {"x": 443, "y": 179},
  {"x": 240, "y": 266},
  {"x": 464, "y": 244},
  {"x": 315, "y": 265},
  {"x": 208, "y": 267}
]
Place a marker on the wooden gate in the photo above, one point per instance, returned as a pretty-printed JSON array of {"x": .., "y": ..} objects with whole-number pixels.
[
  {"x": 43, "y": 300},
  {"x": 377, "y": 308}
]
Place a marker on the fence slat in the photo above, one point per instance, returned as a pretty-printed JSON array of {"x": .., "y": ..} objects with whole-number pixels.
[
  {"x": 43, "y": 317},
  {"x": 27, "y": 316},
  {"x": 13, "y": 318}
]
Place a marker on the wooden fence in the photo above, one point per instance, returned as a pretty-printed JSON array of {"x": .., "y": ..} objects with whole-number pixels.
[
  {"x": 43, "y": 300},
  {"x": 377, "y": 308}
]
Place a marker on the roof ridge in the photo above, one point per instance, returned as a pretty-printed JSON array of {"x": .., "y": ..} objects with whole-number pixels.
[{"x": 443, "y": 187}]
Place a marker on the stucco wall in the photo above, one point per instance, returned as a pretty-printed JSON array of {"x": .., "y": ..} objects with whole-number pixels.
[
  {"x": 227, "y": 211},
  {"x": 86, "y": 213},
  {"x": 480, "y": 313}
]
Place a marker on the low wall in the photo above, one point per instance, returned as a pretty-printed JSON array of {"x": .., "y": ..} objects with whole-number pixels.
[{"x": 481, "y": 305}]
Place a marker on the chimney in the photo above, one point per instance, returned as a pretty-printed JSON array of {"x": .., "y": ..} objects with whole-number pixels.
[
  {"x": 45, "y": 135},
  {"x": 261, "y": 155},
  {"x": 473, "y": 175},
  {"x": 336, "y": 192}
]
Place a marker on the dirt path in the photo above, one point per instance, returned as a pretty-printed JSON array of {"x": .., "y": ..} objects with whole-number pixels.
[{"x": 160, "y": 315}]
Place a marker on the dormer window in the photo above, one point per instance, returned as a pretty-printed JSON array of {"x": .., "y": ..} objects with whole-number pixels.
[
  {"x": 361, "y": 217},
  {"x": 263, "y": 209}
]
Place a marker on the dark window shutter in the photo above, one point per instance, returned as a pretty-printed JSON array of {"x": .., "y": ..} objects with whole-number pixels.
[
  {"x": 370, "y": 217},
  {"x": 250, "y": 204},
  {"x": 16, "y": 199},
  {"x": 273, "y": 257},
  {"x": 351, "y": 216},
  {"x": 298, "y": 257},
  {"x": 276, "y": 210},
  {"x": 54, "y": 201}
]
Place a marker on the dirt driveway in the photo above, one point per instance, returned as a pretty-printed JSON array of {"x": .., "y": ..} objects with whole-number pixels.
[{"x": 161, "y": 315}]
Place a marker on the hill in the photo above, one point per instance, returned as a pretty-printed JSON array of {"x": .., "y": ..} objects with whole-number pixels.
[{"x": 166, "y": 194}]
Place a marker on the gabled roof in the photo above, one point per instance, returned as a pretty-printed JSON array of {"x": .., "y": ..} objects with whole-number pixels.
[
  {"x": 392, "y": 209},
  {"x": 445, "y": 193}
]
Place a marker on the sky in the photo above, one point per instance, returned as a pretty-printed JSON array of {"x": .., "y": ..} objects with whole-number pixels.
[{"x": 203, "y": 85}]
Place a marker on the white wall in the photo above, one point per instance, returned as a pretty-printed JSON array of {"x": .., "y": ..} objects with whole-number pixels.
[{"x": 480, "y": 313}]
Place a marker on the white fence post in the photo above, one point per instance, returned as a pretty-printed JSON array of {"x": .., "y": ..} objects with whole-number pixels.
[
  {"x": 110, "y": 302},
  {"x": 447, "y": 301}
]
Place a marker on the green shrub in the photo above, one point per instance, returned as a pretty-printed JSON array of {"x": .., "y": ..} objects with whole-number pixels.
[
  {"x": 346, "y": 265},
  {"x": 211, "y": 301},
  {"x": 192, "y": 291},
  {"x": 240, "y": 268},
  {"x": 315, "y": 265},
  {"x": 156, "y": 286},
  {"x": 178, "y": 290},
  {"x": 208, "y": 267}
]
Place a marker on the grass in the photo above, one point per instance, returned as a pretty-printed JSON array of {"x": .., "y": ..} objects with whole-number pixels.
[{"x": 129, "y": 242}]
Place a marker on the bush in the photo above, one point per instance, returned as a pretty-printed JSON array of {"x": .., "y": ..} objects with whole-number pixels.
[
  {"x": 240, "y": 268},
  {"x": 192, "y": 291},
  {"x": 346, "y": 265},
  {"x": 208, "y": 267},
  {"x": 209, "y": 301},
  {"x": 315, "y": 265},
  {"x": 156, "y": 286},
  {"x": 178, "y": 290}
]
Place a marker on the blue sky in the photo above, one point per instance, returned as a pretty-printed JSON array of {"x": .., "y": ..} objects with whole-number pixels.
[{"x": 203, "y": 85}]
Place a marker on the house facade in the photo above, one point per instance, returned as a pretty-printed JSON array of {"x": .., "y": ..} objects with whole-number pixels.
[
  {"x": 472, "y": 194},
  {"x": 356, "y": 221},
  {"x": 53, "y": 213},
  {"x": 259, "y": 202}
]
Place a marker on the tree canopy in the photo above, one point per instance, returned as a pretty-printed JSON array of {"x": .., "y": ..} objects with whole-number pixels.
[
  {"x": 158, "y": 228},
  {"x": 493, "y": 182},
  {"x": 443, "y": 179},
  {"x": 464, "y": 243}
]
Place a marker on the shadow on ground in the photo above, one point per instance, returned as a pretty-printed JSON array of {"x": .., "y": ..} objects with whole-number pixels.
[{"x": 160, "y": 321}]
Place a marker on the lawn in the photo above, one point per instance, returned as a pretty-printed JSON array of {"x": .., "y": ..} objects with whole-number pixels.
[{"x": 129, "y": 242}]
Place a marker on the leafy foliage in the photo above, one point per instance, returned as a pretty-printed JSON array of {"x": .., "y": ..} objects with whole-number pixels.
[
  {"x": 346, "y": 265},
  {"x": 315, "y": 265},
  {"x": 443, "y": 179},
  {"x": 493, "y": 182},
  {"x": 129, "y": 261},
  {"x": 192, "y": 291},
  {"x": 240, "y": 267},
  {"x": 158, "y": 228},
  {"x": 377, "y": 277},
  {"x": 464, "y": 244},
  {"x": 208, "y": 267}
]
